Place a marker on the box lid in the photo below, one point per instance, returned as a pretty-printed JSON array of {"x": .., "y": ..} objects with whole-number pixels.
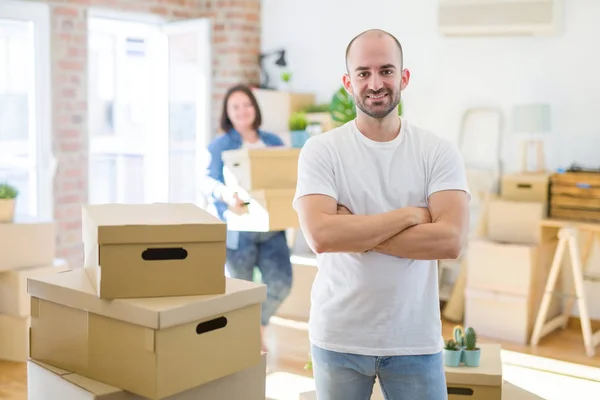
[
  {"x": 527, "y": 178},
  {"x": 489, "y": 372},
  {"x": 151, "y": 223},
  {"x": 74, "y": 289},
  {"x": 273, "y": 151}
]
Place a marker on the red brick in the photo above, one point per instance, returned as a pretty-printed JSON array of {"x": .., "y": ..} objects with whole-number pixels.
[
  {"x": 66, "y": 11},
  {"x": 71, "y": 65}
]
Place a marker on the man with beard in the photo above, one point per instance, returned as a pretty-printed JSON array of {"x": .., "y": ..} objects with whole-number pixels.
[{"x": 379, "y": 201}]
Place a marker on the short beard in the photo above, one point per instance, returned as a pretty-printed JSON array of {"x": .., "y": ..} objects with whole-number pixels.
[{"x": 379, "y": 114}]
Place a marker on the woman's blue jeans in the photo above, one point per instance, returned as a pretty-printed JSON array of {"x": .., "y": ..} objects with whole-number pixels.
[{"x": 269, "y": 252}]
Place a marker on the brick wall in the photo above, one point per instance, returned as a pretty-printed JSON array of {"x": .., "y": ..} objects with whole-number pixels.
[{"x": 236, "y": 45}]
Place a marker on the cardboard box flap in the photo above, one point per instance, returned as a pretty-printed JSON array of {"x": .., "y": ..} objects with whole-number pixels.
[
  {"x": 51, "y": 368},
  {"x": 274, "y": 151},
  {"x": 89, "y": 385},
  {"x": 151, "y": 223},
  {"x": 98, "y": 389},
  {"x": 74, "y": 289},
  {"x": 489, "y": 372}
]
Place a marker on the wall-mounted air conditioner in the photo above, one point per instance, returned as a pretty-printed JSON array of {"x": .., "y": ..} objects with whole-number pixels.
[{"x": 500, "y": 17}]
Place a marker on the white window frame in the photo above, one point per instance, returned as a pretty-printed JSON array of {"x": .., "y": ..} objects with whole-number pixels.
[
  {"x": 43, "y": 163},
  {"x": 160, "y": 144}
]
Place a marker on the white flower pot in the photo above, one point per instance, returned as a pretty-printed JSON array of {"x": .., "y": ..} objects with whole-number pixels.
[{"x": 7, "y": 210}]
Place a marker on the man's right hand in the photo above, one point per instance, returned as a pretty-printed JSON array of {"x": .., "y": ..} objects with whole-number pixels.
[{"x": 423, "y": 215}]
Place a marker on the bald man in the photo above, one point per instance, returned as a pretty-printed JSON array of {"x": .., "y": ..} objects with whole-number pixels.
[{"x": 379, "y": 201}]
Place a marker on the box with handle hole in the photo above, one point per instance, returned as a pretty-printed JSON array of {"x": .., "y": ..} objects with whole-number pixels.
[
  {"x": 153, "y": 250},
  {"x": 153, "y": 347}
]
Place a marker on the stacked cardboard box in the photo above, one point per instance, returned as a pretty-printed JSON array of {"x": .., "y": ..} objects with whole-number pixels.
[
  {"x": 26, "y": 250},
  {"x": 151, "y": 315},
  {"x": 266, "y": 179},
  {"x": 507, "y": 269}
]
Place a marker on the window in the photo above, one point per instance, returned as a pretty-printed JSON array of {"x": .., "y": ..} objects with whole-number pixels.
[
  {"x": 26, "y": 159},
  {"x": 148, "y": 107}
]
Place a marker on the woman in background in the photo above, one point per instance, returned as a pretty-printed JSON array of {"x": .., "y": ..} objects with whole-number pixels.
[{"x": 269, "y": 251}]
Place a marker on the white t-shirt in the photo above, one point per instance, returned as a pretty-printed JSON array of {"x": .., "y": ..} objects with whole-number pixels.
[{"x": 371, "y": 303}]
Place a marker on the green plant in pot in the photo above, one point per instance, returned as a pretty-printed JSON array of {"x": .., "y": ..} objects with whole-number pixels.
[
  {"x": 8, "y": 196},
  {"x": 459, "y": 338},
  {"x": 472, "y": 353},
  {"x": 297, "y": 124},
  {"x": 452, "y": 353}
]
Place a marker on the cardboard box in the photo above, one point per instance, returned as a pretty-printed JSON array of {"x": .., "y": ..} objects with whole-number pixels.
[
  {"x": 153, "y": 250},
  {"x": 45, "y": 382},
  {"x": 477, "y": 383},
  {"x": 297, "y": 305},
  {"x": 525, "y": 187},
  {"x": 14, "y": 338},
  {"x": 515, "y": 221},
  {"x": 28, "y": 242},
  {"x": 264, "y": 168},
  {"x": 153, "y": 347},
  {"x": 269, "y": 210},
  {"x": 14, "y": 299},
  {"x": 278, "y": 105}
]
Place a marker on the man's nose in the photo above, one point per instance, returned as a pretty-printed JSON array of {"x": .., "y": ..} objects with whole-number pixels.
[{"x": 375, "y": 83}]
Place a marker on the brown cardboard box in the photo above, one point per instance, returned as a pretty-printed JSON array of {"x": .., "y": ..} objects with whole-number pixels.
[
  {"x": 515, "y": 221},
  {"x": 27, "y": 242},
  {"x": 477, "y": 383},
  {"x": 297, "y": 305},
  {"x": 525, "y": 187},
  {"x": 153, "y": 250},
  {"x": 265, "y": 168},
  {"x": 153, "y": 347},
  {"x": 45, "y": 382},
  {"x": 269, "y": 210},
  {"x": 14, "y": 338},
  {"x": 278, "y": 105},
  {"x": 14, "y": 299}
]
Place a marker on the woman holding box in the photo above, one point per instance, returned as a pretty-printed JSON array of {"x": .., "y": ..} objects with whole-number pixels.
[{"x": 269, "y": 251}]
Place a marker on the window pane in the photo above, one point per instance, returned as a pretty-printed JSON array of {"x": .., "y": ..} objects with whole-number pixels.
[
  {"x": 18, "y": 158},
  {"x": 183, "y": 95}
]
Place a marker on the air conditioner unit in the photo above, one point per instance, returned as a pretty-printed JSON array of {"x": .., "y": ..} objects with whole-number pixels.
[{"x": 500, "y": 17}]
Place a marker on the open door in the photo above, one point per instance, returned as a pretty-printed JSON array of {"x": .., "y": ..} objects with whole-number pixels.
[{"x": 189, "y": 105}]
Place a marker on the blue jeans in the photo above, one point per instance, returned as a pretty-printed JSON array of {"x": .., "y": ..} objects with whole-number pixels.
[
  {"x": 269, "y": 252},
  {"x": 341, "y": 376}
]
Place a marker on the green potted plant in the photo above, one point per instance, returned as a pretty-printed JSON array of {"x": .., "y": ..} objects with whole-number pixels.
[
  {"x": 472, "y": 353},
  {"x": 286, "y": 77},
  {"x": 459, "y": 338},
  {"x": 452, "y": 354},
  {"x": 8, "y": 196},
  {"x": 297, "y": 124}
]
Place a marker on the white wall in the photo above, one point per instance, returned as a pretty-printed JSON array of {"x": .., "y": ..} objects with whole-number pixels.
[{"x": 452, "y": 74}]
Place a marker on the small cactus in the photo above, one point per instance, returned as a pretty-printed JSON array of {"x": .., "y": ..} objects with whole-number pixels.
[
  {"x": 459, "y": 336},
  {"x": 451, "y": 345},
  {"x": 471, "y": 339}
]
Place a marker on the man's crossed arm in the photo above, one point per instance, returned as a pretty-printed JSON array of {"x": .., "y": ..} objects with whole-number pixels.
[
  {"x": 328, "y": 231},
  {"x": 416, "y": 233}
]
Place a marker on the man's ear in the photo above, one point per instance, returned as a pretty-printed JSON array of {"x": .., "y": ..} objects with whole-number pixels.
[
  {"x": 347, "y": 83},
  {"x": 405, "y": 79}
]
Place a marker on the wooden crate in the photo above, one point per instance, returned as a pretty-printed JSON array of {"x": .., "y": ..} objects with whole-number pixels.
[{"x": 575, "y": 196}]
